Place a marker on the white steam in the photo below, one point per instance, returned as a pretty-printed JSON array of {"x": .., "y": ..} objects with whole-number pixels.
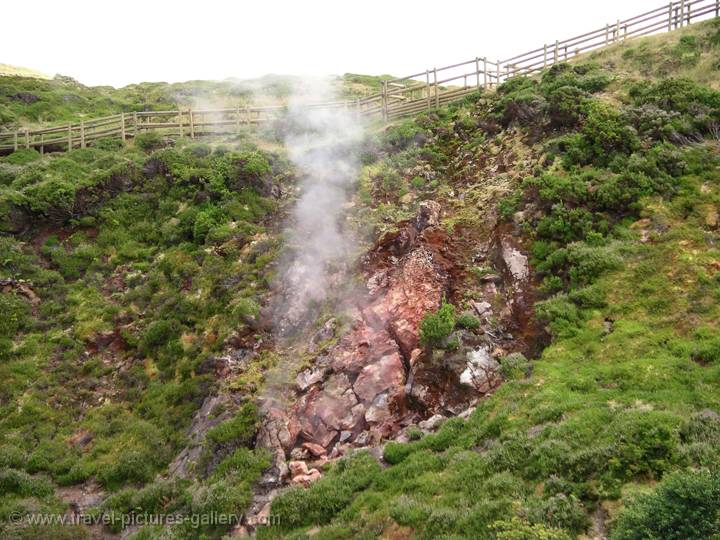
[{"x": 323, "y": 144}]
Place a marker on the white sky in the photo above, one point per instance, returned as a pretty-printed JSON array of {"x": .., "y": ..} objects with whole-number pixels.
[{"x": 121, "y": 42}]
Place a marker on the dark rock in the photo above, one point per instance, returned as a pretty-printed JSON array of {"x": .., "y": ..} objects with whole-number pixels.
[{"x": 25, "y": 97}]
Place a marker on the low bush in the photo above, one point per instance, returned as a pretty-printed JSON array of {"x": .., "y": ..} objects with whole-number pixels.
[
  {"x": 467, "y": 321},
  {"x": 436, "y": 327},
  {"x": 685, "y": 506},
  {"x": 149, "y": 141}
]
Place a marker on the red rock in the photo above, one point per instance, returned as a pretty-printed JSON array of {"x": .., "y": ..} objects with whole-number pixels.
[
  {"x": 407, "y": 276},
  {"x": 388, "y": 372},
  {"x": 315, "y": 449}
]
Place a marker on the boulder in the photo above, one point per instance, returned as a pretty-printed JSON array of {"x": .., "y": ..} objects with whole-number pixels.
[
  {"x": 307, "y": 479},
  {"x": 388, "y": 372},
  {"x": 297, "y": 468},
  {"x": 432, "y": 423},
  {"x": 515, "y": 261},
  {"x": 315, "y": 449},
  {"x": 307, "y": 377},
  {"x": 482, "y": 371}
]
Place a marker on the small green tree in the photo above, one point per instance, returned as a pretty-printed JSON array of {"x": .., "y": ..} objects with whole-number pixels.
[{"x": 435, "y": 327}]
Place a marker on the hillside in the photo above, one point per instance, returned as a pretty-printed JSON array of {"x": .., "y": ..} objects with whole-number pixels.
[
  {"x": 6, "y": 70},
  {"x": 27, "y": 100},
  {"x": 519, "y": 342}
]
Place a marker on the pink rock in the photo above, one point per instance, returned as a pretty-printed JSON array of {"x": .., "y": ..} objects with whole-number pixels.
[
  {"x": 388, "y": 372},
  {"x": 315, "y": 449},
  {"x": 307, "y": 479},
  {"x": 297, "y": 468}
]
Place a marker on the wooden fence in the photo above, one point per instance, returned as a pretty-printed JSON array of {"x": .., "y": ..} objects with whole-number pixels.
[{"x": 399, "y": 97}]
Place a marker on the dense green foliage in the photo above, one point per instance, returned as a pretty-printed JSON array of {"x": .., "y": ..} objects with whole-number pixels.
[
  {"x": 143, "y": 264},
  {"x": 685, "y": 505}
]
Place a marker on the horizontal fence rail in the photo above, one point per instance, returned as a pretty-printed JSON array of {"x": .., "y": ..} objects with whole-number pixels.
[{"x": 399, "y": 97}]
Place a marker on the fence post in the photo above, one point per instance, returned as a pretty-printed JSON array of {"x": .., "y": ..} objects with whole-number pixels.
[
  {"x": 555, "y": 55},
  {"x": 545, "y": 55},
  {"x": 607, "y": 34},
  {"x": 497, "y": 71},
  {"x": 135, "y": 122},
  {"x": 237, "y": 118},
  {"x": 485, "y": 81},
  {"x": 69, "y": 137},
  {"x": 670, "y": 9},
  {"x": 717, "y": 8},
  {"x": 437, "y": 90},
  {"x": 682, "y": 13},
  {"x": 617, "y": 31},
  {"x": 27, "y": 138},
  {"x": 122, "y": 127},
  {"x": 192, "y": 123},
  {"x": 384, "y": 101},
  {"x": 82, "y": 133},
  {"x": 689, "y": 11},
  {"x": 42, "y": 144},
  {"x": 477, "y": 73},
  {"x": 15, "y": 142}
]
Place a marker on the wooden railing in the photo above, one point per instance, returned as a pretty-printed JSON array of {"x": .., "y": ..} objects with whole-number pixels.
[{"x": 399, "y": 97}]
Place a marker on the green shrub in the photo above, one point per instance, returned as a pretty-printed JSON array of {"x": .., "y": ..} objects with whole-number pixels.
[
  {"x": 159, "y": 333},
  {"x": 15, "y": 315},
  {"x": 516, "y": 529},
  {"x": 606, "y": 134},
  {"x": 130, "y": 466},
  {"x": 149, "y": 141},
  {"x": 24, "y": 484},
  {"x": 22, "y": 156},
  {"x": 255, "y": 164},
  {"x": 515, "y": 366},
  {"x": 560, "y": 511},
  {"x": 238, "y": 431},
  {"x": 646, "y": 443},
  {"x": 400, "y": 136},
  {"x": 436, "y": 327},
  {"x": 685, "y": 506},
  {"x": 562, "y": 316},
  {"x": 467, "y": 321}
]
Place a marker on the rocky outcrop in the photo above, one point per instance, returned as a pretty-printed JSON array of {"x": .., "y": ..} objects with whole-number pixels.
[
  {"x": 377, "y": 379},
  {"x": 355, "y": 392}
]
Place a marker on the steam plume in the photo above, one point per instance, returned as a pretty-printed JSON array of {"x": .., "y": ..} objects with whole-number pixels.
[{"x": 323, "y": 144}]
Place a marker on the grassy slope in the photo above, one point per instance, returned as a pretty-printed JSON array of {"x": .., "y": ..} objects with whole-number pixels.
[
  {"x": 29, "y": 100},
  {"x": 630, "y": 269},
  {"x": 6, "y": 70},
  {"x": 163, "y": 269}
]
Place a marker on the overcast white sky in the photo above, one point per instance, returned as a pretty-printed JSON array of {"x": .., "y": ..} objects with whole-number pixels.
[{"x": 121, "y": 42}]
